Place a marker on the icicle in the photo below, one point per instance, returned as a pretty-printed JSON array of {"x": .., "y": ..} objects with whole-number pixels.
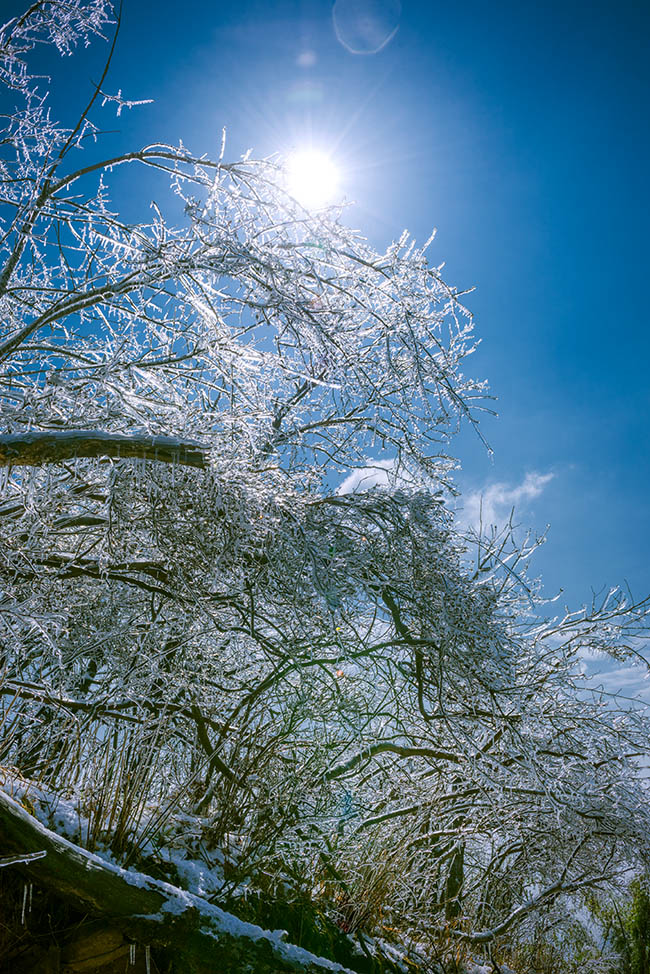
[
  {"x": 31, "y": 889},
  {"x": 22, "y": 916},
  {"x": 147, "y": 958},
  {"x": 132, "y": 955}
]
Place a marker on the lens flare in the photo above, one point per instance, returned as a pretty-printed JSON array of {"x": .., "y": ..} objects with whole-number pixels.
[{"x": 312, "y": 178}]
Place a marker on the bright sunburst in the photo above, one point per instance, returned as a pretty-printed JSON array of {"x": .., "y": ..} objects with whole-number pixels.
[{"x": 312, "y": 178}]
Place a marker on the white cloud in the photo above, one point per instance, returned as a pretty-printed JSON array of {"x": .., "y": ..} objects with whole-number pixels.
[
  {"x": 377, "y": 473},
  {"x": 492, "y": 505},
  {"x": 628, "y": 680},
  {"x": 374, "y": 475}
]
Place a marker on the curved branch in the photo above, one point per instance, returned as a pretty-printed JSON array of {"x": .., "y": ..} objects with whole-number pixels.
[
  {"x": 547, "y": 896},
  {"x": 387, "y": 746}
]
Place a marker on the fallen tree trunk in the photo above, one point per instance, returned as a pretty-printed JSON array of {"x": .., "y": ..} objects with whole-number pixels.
[{"x": 198, "y": 936}]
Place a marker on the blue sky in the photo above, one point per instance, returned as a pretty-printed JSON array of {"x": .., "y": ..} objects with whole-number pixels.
[{"x": 521, "y": 132}]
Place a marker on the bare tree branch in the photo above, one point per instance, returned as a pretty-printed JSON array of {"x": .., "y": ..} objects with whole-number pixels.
[{"x": 37, "y": 448}]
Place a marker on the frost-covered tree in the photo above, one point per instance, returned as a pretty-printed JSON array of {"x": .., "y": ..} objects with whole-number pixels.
[{"x": 201, "y": 633}]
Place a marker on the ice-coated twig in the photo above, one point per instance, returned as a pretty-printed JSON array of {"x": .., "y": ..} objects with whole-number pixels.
[{"x": 21, "y": 859}]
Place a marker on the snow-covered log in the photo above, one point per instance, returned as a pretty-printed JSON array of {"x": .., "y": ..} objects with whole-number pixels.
[
  {"x": 148, "y": 910},
  {"x": 37, "y": 448}
]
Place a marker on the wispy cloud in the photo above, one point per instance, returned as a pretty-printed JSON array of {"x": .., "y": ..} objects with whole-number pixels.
[
  {"x": 492, "y": 505},
  {"x": 627, "y": 681}
]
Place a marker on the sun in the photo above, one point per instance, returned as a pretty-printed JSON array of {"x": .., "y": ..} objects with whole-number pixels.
[{"x": 312, "y": 178}]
